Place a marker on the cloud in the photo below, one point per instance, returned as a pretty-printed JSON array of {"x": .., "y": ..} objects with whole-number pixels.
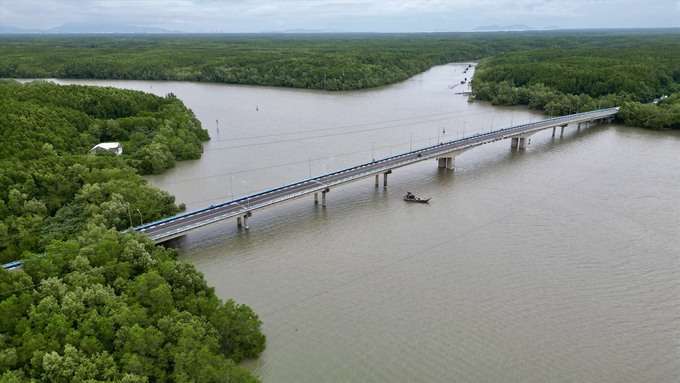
[{"x": 340, "y": 15}]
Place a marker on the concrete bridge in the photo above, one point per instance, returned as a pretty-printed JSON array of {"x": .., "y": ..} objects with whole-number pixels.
[{"x": 445, "y": 154}]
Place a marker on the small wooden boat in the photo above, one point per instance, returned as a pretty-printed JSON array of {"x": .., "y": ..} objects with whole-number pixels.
[{"x": 409, "y": 197}]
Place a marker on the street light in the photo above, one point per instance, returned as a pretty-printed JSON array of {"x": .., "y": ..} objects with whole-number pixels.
[
  {"x": 140, "y": 217},
  {"x": 326, "y": 166}
]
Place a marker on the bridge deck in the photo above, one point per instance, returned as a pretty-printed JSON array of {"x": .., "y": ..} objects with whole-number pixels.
[{"x": 172, "y": 227}]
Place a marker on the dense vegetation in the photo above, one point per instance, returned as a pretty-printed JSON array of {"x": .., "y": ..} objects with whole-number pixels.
[
  {"x": 155, "y": 131},
  {"x": 92, "y": 303},
  {"x": 586, "y": 78},
  {"x": 558, "y": 71},
  {"x": 331, "y": 62}
]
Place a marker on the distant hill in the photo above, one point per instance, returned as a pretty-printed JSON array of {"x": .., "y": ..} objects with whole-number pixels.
[
  {"x": 514, "y": 27},
  {"x": 4, "y": 29},
  {"x": 87, "y": 28}
]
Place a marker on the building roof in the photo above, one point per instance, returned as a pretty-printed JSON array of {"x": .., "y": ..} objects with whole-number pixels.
[{"x": 112, "y": 146}]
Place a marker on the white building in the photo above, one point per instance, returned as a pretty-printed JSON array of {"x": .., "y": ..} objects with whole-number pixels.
[{"x": 116, "y": 147}]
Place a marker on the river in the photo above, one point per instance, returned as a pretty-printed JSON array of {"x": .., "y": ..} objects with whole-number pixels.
[{"x": 558, "y": 263}]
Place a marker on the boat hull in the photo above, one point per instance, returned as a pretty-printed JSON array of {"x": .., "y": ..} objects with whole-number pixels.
[{"x": 417, "y": 199}]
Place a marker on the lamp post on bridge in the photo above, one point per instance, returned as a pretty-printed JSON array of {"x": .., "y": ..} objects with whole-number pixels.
[{"x": 325, "y": 163}]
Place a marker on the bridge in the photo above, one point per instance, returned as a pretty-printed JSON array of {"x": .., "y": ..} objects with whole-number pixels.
[{"x": 445, "y": 153}]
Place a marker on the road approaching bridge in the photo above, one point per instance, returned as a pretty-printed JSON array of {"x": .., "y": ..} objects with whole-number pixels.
[{"x": 445, "y": 153}]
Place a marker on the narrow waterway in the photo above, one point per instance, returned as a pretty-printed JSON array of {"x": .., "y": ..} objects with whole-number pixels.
[{"x": 560, "y": 262}]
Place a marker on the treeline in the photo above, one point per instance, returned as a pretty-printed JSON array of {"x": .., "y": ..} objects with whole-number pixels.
[
  {"x": 92, "y": 303},
  {"x": 560, "y": 72},
  {"x": 584, "y": 78},
  {"x": 330, "y": 62},
  {"x": 324, "y": 61}
]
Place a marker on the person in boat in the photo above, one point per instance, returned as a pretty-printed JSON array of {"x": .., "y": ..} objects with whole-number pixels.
[{"x": 410, "y": 195}]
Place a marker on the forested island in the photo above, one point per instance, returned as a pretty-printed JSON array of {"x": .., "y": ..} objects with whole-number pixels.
[{"x": 93, "y": 302}]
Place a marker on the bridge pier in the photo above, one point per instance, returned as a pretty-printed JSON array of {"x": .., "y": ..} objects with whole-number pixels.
[
  {"x": 323, "y": 197},
  {"x": 245, "y": 220},
  {"x": 446, "y": 162},
  {"x": 377, "y": 178},
  {"x": 561, "y": 131},
  {"x": 520, "y": 142}
]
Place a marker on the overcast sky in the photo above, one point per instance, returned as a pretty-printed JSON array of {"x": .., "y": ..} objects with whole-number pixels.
[{"x": 232, "y": 16}]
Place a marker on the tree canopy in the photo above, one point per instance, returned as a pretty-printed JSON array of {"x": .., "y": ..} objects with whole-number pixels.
[
  {"x": 311, "y": 61},
  {"x": 630, "y": 75},
  {"x": 560, "y": 72},
  {"x": 91, "y": 301}
]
